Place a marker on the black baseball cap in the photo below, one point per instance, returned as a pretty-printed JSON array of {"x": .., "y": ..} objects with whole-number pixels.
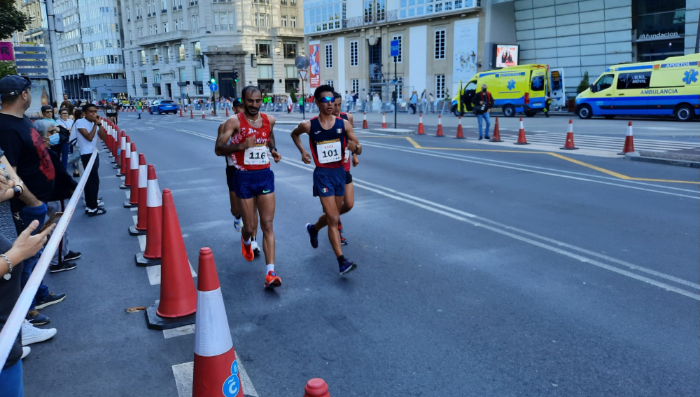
[
  {"x": 14, "y": 85},
  {"x": 237, "y": 102}
]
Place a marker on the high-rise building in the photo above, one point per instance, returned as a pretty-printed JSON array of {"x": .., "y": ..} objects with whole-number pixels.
[{"x": 173, "y": 47}]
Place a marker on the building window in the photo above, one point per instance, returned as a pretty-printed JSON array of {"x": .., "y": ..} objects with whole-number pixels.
[
  {"x": 368, "y": 11},
  {"x": 399, "y": 88},
  {"x": 195, "y": 22},
  {"x": 144, "y": 78},
  {"x": 265, "y": 72},
  {"x": 182, "y": 52},
  {"x": 155, "y": 55},
  {"x": 284, "y": 21},
  {"x": 329, "y": 55},
  {"x": 293, "y": 22},
  {"x": 290, "y": 72},
  {"x": 223, "y": 21},
  {"x": 165, "y": 27},
  {"x": 196, "y": 49},
  {"x": 145, "y": 91},
  {"x": 329, "y": 82},
  {"x": 142, "y": 57},
  {"x": 197, "y": 74},
  {"x": 156, "y": 76},
  {"x": 182, "y": 74},
  {"x": 164, "y": 5},
  {"x": 355, "y": 85},
  {"x": 166, "y": 54},
  {"x": 353, "y": 53},
  {"x": 263, "y": 48},
  {"x": 399, "y": 58},
  {"x": 440, "y": 44},
  {"x": 381, "y": 10},
  {"x": 440, "y": 86},
  {"x": 200, "y": 90},
  {"x": 290, "y": 50}
]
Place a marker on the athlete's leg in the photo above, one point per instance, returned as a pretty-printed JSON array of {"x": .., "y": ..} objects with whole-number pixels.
[
  {"x": 266, "y": 208},
  {"x": 330, "y": 209},
  {"x": 348, "y": 199},
  {"x": 235, "y": 204}
]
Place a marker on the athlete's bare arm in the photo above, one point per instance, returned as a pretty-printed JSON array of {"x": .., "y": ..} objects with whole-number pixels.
[
  {"x": 226, "y": 131},
  {"x": 351, "y": 119},
  {"x": 303, "y": 128},
  {"x": 353, "y": 144},
  {"x": 271, "y": 142}
]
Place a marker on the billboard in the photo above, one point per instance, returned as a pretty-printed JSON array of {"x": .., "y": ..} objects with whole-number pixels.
[
  {"x": 466, "y": 48},
  {"x": 506, "y": 55},
  {"x": 6, "y": 53},
  {"x": 314, "y": 66}
]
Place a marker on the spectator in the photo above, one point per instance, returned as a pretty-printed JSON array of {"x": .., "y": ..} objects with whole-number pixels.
[
  {"x": 348, "y": 101},
  {"x": 483, "y": 102},
  {"x": 87, "y": 128},
  {"x": 28, "y": 156},
  {"x": 67, "y": 104},
  {"x": 414, "y": 101}
]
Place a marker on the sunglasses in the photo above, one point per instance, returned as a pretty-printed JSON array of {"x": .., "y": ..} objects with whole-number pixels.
[{"x": 327, "y": 99}]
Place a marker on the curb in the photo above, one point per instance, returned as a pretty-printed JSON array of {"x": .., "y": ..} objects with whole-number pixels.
[{"x": 663, "y": 158}]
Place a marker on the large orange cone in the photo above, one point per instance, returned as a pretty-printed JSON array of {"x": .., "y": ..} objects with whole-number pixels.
[
  {"x": 316, "y": 387},
  {"x": 178, "y": 298},
  {"x": 125, "y": 148},
  {"x": 364, "y": 122},
  {"x": 569, "y": 145},
  {"x": 140, "y": 228},
  {"x": 226, "y": 111},
  {"x": 202, "y": 113},
  {"x": 181, "y": 112},
  {"x": 460, "y": 131},
  {"x": 496, "y": 133},
  {"x": 421, "y": 130},
  {"x": 154, "y": 209},
  {"x": 215, "y": 364},
  {"x": 521, "y": 135},
  {"x": 191, "y": 112},
  {"x": 133, "y": 200},
  {"x": 127, "y": 175},
  {"x": 629, "y": 141},
  {"x": 439, "y": 130},
  {"x": 383, "y": 120},
  {"x": 120, "y": 150}
]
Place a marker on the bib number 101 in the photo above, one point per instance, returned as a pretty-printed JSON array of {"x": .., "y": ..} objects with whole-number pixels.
[{"x": 330, "y": 153}]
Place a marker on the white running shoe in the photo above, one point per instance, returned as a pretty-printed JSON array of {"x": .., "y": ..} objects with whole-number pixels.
[
  {"x": 32, "y": 334},
  {"x": 238, "y": 224},
  {"x": 25, "y": 351},
  {"x": 256, "y": 249}
]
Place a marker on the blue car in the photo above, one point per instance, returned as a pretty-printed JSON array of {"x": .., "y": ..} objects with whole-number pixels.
[{"x": 161, "y": 107}]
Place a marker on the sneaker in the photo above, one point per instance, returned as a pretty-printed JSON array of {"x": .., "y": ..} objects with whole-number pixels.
[
  {"x": 256, "y": 248},
  {"x": 343, "y": 241},
  {"x": 487, "y": 137},
  {"x": 247, "y": 251},
  {"x": 25, "y": 351},
  {"x": 480, "y": 138},
  {"x": 52, "y": 299},
  {"x": 96, "y": 212},
  {"x": 71, "y": 256},
  {"x": 272, "y": 280},
  {"x": 76, "y": 174},
  {"x": 36, "y": 318},
  {"x": 347, "y": 267},
  {"x": 62, "y": 267},
  {"x": 32, "y": 334},
  {"x": 238, "y": 224},
  {"x": 313, "y": 235}
]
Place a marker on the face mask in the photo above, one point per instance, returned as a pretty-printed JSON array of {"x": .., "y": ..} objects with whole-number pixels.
[
  {"x": 483, "y": 90},
  {"x": 53, "y": 139}
]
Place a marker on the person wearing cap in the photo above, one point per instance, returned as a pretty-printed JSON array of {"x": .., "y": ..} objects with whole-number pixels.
[{"x": 27, "y": 154}]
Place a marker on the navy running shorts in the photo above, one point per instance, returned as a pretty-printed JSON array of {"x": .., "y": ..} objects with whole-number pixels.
[
  {"x": 348, "y": 178},
  {"x": 249, "y": 184},
  {"x": 329, "y": 182},
  {"x": 230, "y": 172}
]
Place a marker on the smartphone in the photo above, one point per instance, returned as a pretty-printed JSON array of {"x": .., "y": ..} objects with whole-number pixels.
[{"x": 53, "y": 219}]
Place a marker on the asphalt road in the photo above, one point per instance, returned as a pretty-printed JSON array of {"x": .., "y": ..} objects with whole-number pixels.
[{"x": 481, "y": 273}]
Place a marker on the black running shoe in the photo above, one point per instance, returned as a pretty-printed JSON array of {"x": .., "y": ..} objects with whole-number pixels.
[
  {"x": 346, "y": 267},
  {"x": 36, "y": 318},
  {"x": 62, "y": 267},
  {"x": 71, "y": 256},
  {"x": 96, "y": 212},
  {"x": 52, "y": 299},
  {"x": 313, "y": 235}
]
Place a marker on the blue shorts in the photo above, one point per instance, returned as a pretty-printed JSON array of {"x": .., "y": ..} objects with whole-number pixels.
[
  {"x": 249, "y": 184},
  {"x": 329, "y": 182},
  {"x": 230, "y": 172}
]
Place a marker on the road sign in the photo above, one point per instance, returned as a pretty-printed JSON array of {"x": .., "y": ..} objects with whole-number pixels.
[
  {"x": 213, "y": 87},
  {"x": 394, "y": 48},
  {"x": 302, "y": 74},
  {"x": 302, "y": 62}
]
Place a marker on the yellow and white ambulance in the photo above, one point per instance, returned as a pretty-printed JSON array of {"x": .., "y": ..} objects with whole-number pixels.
[{"x": 661, "y": 88}]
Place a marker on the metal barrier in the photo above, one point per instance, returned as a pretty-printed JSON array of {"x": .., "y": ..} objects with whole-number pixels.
[{"x": 19, "y": 312}]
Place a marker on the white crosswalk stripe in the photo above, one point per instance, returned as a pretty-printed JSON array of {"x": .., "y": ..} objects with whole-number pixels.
[{"x": 613, "y": 144}]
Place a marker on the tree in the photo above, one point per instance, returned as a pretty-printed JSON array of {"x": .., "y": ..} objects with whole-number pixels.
[
  {"x": 584, "y": 85},
  {"x": 293, "y": 95},
  {"x": 7, "y": 68},
  {"x": 11, "y": 19}
]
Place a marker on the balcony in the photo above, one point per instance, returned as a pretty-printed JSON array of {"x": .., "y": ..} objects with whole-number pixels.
[{"x": 174, "y": 35}]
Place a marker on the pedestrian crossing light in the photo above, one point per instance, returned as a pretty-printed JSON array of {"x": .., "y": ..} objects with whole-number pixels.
[
  {"x": 235, "y": 76},
  {"x": 212, "y": 80}
]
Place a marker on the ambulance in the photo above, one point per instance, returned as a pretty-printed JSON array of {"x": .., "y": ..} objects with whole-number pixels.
[
  {"x": 515, "y": 89},
  {"x": 661, "y": 88}
]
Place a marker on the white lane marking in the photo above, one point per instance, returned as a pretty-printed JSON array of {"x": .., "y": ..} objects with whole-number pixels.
[
  {"x": 179, "y": 331},
  {"x": 154, "y": 273},
  {"x": 184, "y": 373},
  {"x": 478, "y": 221},
  {"x": 128, "y": 194},
  {"x": 501, "y": 164},
  {"x": 142, "y": 242},
  {"x": 134, "y": 208}
]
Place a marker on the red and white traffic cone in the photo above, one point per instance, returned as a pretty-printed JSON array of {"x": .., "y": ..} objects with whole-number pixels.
[
  {"x": 316, "y": 387},
  {"x": 154, "y": 233},
  {"x": 127, "y": 174},
  {"x": 202, "y": 114},
  {"x": 120, "y": 148},
  {"x": 439, "y": 130},
  {"x": 629, "y": 141},
  {"x": 383, "y": 120},
  {"x": 142, "y": 223},
  {"x": 496, "y": 133},
  {"x": 460, "y": 130},
  {"x": 215, "y": 364},
  {"x": 178, "y": 297},
  {"x": 569, "y": 144},
  {"x": 181, "y": 112},
  {"x": 421, "y": 129},
  {"x": 125, "y": 147},
  {"x": 227, "y": 111},
  {"x": 522, "y": 140},
  {"x": 191, "y": 112},
  {"x": 135, "y": 166},
  {"x": 364, "y": 122}
]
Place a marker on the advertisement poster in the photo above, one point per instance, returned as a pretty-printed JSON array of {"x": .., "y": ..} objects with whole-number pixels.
[
  {"x": 506, "y": 55},
  {"x": 466, "y": 48},
  {"x": 314, "y": 66},
  {"x": 6, "y": 53}
]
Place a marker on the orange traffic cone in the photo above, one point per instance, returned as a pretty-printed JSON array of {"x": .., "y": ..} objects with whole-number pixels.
[
  {"x": 421, "y": 130},
  {"x": 181, "y": 112},
  {"x": 364, "y": 122},
  {"x": 496, "y": 133},
  {"x": 154, "y": 233},
  {"x": 383, "y": 120},
  {"x": 439, "y": 130},
  {"x": 126, "y": 147},
  {"x": 215, "y": 364},
  {"x": 521, "y": 135},
  {"x": 140, "y": 228},
  {"x": 117, "y": 151},
  {"x": 121, "y": 153},
  {"x": 460, "y": 131},
  {"x": 178, "y": 298},
  {"x": 127, "y": 174},
  {"x": 316, "y": 387},
  {"x": 191, "y": 113},
  {"x": 569, "y": 145},
  {"x": 202, "y": 114},
  {"x": 629, "y": 141},
  {"x": 133, "y": 200},
  {"x": 226, "y": 111}
]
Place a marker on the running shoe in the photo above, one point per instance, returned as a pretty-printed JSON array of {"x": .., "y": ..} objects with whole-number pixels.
[
  {"x": 346, "y": 267},
  {"x": 32, "y": 334},
  {"x": 51, "y": 299},
  {"x": 343, "y": 241},
  {"x": 238, "y": 224},
  {"x": 71, "y": 256},
  {"x": 247, "y": 251},
  {"x": 37, "y": 318},
  {"x": 313, "y": 235},
  {"x": 272, "y": 280},
  {"x": 256, "y": 248},
  {"x": 62, "y": 267}
]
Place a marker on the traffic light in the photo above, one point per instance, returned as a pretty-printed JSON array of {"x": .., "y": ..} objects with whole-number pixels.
[
  {"x": 235, "y": 76},
  {"x": 212, "y": 80}
]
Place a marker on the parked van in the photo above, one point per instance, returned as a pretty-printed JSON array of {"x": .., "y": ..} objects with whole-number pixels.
[
  {"x": 516, "y": 89},
  {"x": 663, "y": 88}
]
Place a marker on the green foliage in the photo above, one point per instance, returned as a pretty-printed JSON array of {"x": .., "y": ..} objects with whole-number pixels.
[
  {"x": 11, "y": 19},
  {"x": 7, "y": 68},
  {"x": 447, "y": 94},
  {"x": 294, "y": 96},
  {"x": 583, "y": 86}
]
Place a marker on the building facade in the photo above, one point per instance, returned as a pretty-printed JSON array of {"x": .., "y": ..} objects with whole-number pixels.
[{"x": 174, "y": 47}]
